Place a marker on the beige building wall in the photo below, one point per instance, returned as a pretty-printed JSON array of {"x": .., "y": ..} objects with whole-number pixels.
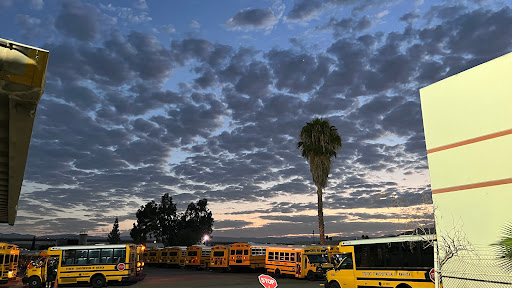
[{"x": 467, "y": 120}]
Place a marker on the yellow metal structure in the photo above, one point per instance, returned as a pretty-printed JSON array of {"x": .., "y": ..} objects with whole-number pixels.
[
  {"x": 467, "y": 120},
  {"x": 22, "y": 81}
]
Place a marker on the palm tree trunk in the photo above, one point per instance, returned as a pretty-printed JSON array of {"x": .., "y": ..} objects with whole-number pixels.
[{"x": 320, "y": 216}]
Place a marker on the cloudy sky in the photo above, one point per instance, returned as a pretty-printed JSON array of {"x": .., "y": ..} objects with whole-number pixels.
[{"x": 206, "y": 99}]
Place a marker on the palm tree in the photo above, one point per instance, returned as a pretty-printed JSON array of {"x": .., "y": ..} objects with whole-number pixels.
[
  {"x": 319, "y": 143},
  {"x": 504, "y": 247}
]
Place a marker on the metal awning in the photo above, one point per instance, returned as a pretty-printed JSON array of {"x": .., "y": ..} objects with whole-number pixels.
[{"x": 22, "y": 80}]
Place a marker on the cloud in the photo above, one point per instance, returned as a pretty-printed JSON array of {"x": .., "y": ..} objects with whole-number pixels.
[
  {"x": 169, "y": 29},
  {"x": 410, "y": 16},
  {"x": 36, "y": 4},
  {"x": 194, "y": 25},
  {"x": 78, "y": 20},
  {"x": 252, "y": 18},
  {"x": 305, "y": 10}
]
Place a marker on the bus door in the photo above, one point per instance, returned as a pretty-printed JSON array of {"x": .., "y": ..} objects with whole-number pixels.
[
  {"x": 300, "y": 266},
  {"x": 52, "y": 266},
  {"x": 345, "y": 270}
]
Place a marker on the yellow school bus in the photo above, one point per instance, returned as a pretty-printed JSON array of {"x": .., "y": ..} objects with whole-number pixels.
[
  {"x": 151, "y": 256},
  {"x": 297, "y": 261},
  {"x": 172, "y": 256},
  {"x": 96, "y": 265},
  {"x": 334, "y": 254},
  {"x": 219, "y": 257},
  {"x": 245, "y": 255},
  {"x": 9, "y": 254},
  {"x": 197, "y": 256},
  {"x": 402, "y": 261}
]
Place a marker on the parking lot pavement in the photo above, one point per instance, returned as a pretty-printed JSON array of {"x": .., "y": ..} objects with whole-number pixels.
[
  {"x": 169, "y": 277},
  {"x": 172, "y": 277}
]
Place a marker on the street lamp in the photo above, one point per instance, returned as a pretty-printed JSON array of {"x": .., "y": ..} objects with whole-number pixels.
[{"x": 205, "y": 239}]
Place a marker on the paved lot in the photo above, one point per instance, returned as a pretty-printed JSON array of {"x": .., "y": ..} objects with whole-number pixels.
[{"x": 169, "y": 277}]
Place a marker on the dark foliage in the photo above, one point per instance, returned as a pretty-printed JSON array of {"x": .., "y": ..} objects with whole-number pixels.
[
  {"x": 114, "y": 237},
  {"x": 163, "y": 223}
]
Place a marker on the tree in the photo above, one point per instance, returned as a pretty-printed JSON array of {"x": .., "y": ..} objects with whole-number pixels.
[
  {"x": 33, "y": 246},
  {"x": 195, "y": 223},
  {"x": 162, "y": 222},
  {"x": 167, "y": 220},
  {"x": 504, "y": 247},
  {"x": 319, "y": 143},
  {"x": 114, "y": 237},
  {"x": 147, "y": 223}
]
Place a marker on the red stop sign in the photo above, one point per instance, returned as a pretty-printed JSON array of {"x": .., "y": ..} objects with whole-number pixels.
[
  {"x": 267, "y": 281},
  {"x": 120, "y": 267},
  {"x": 432, "y": 275}
]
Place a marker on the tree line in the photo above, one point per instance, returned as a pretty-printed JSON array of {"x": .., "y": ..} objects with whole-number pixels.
[{"x": 162, "y": 222}]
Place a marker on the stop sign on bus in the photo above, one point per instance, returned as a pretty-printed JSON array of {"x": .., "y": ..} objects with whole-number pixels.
[{"x": 432, "y": 275}]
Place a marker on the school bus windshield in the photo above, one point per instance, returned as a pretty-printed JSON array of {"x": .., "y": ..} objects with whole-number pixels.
[{"x": 317, "y": 259}]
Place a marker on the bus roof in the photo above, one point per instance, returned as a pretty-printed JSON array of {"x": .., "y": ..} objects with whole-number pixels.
[
  {"x": 401, "y": 238},
  {"x": 98, "y": 246}
]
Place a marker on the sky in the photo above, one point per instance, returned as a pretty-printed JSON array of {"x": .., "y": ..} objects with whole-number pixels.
[{"x": 206, "y": 99}]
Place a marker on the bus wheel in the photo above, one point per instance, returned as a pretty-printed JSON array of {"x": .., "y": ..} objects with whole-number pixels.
[
  {"x": 34, "y": 282},
  {"x": 277, "y": 273},
  {"x": 98, "y": 281},
  {"x": 310, "y": 275},
  {"x": 334, "y": 284}
]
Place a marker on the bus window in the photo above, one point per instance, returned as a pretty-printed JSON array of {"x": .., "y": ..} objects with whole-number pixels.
[
  {"x": 81, "y": 257},
  {"x": 94, "y": 256},
  {"x": 218, "y": 253},
  {"x": 106, "y": 255},
  {"x": 346, "y": 262},
  {"x": 317, "y": 259},
  {"x": 270, "y": 255},
  {"x": 67, "y": 257},
  {"x": 246, "y": 252},
  {"x": 192, "y": 253},
  {"x": 239, "y": 252},
  {"x": 119, "y": 255}
]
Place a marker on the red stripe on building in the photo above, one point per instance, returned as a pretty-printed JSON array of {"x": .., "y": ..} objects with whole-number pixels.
[
  {"x": 472, "y": 186},
  {"x": 471, "y": 141}
]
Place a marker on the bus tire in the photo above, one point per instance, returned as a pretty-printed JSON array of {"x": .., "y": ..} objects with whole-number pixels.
[
  {"x": 277, "y": 273},
  {"x": 311, "y": 276},
  {"x": 403, "y": 286},
  {"x": 334, "y": 284},
  {"x": 98, "y": 281},
  {"x": 34, "y": 282}
]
